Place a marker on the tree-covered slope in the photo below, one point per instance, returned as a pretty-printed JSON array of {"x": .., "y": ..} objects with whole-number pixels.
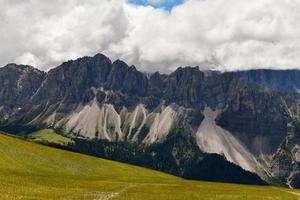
[{"x": 177, "y": 155}]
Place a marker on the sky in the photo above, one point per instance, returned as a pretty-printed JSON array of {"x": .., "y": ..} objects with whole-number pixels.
[
  {"x": 153, "y": 35},
  {"x": 165, "y": 4}
]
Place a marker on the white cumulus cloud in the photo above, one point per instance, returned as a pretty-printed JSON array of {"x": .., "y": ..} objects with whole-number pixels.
[{"x": 223, "y": 34}]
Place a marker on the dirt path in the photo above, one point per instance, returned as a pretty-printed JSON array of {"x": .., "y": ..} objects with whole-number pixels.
[{"x": 112, "y": 195}]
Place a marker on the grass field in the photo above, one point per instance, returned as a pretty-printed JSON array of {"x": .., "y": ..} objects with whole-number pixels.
[
  {"x": 49, "y": 136},
  {"x": 32, "y": 171}
]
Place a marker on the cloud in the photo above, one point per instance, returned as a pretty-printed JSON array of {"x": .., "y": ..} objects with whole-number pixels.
[
  {"x": 223, "y": 34},
  {"x": 46, "y": 33}
]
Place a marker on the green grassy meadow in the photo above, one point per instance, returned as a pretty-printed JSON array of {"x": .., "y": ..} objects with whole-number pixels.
[
  {"x": 32, "y": 171},
  {"x": 47, "y": 136}
]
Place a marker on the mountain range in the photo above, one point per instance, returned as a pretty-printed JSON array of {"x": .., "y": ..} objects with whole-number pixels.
[{"x": 239, "y": 127}]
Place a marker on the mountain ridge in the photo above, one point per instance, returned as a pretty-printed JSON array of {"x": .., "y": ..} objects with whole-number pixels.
[{"x": 95, "y": 98}]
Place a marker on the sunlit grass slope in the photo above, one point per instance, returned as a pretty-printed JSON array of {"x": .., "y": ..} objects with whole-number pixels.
[
  {"x": 49, "y": 136},
  {"x": 32, "y": 171}
]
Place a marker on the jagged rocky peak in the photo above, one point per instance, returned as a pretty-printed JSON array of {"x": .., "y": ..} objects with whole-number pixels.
[
  {"x": 20, "y": 69},
  {"x": 94, "y": 69},
  {"x": 187, "y": 74},
  {"x": 18, "y": 84},
  {"x": 182, "y": 86},
  {"x": 127, "y": 79},
  {"x": 72, "y": 82},
  {"x": 117, "y": 75}
]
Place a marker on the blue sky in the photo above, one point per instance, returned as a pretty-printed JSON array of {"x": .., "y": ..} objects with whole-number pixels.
[{"x": 166, "y": 4}]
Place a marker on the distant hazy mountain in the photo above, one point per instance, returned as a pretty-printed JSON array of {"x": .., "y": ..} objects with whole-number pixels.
[
  {"x": 280, "y": 80},
  {"x": 167, "y": 122}
]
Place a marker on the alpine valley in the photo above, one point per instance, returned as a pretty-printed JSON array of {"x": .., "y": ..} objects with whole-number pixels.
[{"x": 240, "y": 127}]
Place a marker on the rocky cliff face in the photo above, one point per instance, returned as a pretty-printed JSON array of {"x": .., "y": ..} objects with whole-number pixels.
[
  {"x": 257, "y": 116},
  {"x": 95, "y": 98},
  {"x": 18, "y": 84},
  {"x": 279, "y": 80}
]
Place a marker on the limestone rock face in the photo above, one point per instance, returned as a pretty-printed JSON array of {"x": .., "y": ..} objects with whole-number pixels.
[{"x": 18, "y": 84}]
